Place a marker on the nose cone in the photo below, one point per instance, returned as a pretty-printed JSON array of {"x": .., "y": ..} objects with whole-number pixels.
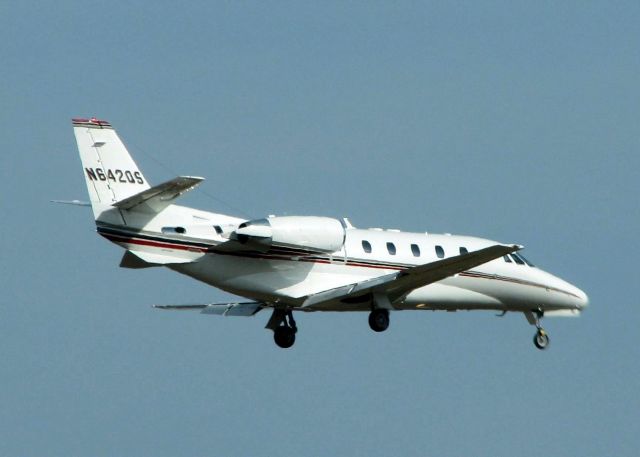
[
  {"x": 583, "y": 299},
  {"x": 565, "y": 294},
  {"x": 577, "y": 297}
]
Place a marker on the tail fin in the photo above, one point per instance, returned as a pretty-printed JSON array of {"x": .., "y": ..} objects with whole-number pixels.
[{"x": 110, "y": 172}]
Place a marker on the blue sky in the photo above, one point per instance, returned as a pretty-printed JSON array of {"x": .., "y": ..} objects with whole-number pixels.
[{"x": 507, "y": 120}]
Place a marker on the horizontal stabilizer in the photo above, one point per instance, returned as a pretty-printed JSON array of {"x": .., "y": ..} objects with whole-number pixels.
[
  {"x": 221, "y": 309},
  {"x": 141, "y": 259},
  {"x": 157, "y": 198},
  {"x": 72, "y": 202}
]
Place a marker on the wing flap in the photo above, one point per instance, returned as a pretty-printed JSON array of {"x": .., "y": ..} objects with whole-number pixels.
[
  {"x": 350, "y": 290},
  {"x": 157, "y": 198}
]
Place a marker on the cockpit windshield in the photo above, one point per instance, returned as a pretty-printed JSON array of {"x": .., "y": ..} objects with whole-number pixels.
[
  {"x": 520, "y": 259},
  {"x": 525, "y": 260}
]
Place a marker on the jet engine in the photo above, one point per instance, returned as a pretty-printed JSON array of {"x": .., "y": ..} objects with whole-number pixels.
[{"x": 304, "y": 232}]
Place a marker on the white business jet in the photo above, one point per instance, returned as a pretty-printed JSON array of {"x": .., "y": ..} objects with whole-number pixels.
[{"x": 306, "y": 263}]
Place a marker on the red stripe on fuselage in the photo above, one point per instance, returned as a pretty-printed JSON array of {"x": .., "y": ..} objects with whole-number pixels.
[{"x": 182, "y": 247}]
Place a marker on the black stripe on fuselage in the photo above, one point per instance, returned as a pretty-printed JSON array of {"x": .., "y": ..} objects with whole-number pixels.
[{"x": 107, "y": 231}]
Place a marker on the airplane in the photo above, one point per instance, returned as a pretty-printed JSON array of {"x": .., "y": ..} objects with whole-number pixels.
[{"x": 297, "y": 264}]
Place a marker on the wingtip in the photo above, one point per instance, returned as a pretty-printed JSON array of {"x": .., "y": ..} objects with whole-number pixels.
[{"x": 196, "y": 178}]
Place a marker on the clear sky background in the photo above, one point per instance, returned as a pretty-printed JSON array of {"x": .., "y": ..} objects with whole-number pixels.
[{"x": 515, "y": 121}]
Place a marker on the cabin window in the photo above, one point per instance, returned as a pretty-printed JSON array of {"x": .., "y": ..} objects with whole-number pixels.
[
  {"x": 366, "y": 246},
  {"x": 463, "y": 250},
  {"x": 391, "y": 248},
  {"x": 507, "y": 258},
  {"x": 517, "y": 259},
  {"x": 415, "y": 249},
  {"x": 440, "y": 252},
  {"x": 218, "y": 229},
  {"x": 179, "y": 230}
]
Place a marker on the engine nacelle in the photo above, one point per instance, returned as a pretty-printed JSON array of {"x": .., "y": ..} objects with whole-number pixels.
[{"x": 306, "y": 232}]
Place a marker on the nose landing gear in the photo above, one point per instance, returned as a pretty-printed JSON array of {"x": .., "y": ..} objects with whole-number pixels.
[{"x": 541, "y": 338}]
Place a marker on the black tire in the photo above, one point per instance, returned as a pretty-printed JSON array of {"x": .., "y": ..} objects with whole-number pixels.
[
  {"x": 284, "y": 336},
  {"x": 541, "y": 340},
  {"x": 379, "y": 320}
]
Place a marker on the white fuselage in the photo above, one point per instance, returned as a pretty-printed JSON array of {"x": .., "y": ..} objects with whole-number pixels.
[
  {"x": 305, "y": 263},
  {"x": 284, "y": 276}
]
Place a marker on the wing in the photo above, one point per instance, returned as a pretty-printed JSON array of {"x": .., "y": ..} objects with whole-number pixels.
[
  {"x": 389, "y": 288},
  {"x": 157, "y": 198},
  {"x": 222, "y": 309}
]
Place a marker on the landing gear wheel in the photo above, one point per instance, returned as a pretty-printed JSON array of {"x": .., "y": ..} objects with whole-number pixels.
[
  {"x": 284, "y": 336},
  {"x": 379, "y": 320},
  {"x": 541, "y": 339}
]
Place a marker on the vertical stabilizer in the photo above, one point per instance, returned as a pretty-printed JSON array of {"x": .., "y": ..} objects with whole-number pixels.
[{"x": 109, "y": 171}]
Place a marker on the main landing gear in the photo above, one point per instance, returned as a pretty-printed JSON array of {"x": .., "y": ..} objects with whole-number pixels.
[
  {"x": 541, "y": 338},
  {"x": 284, "y": 328},
  {"x": 284, "y": 325},
  {"x": 379, "y": 320}
]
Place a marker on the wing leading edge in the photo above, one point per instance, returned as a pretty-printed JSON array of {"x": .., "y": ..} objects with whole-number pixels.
[{"x": 389, "y": 288}]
